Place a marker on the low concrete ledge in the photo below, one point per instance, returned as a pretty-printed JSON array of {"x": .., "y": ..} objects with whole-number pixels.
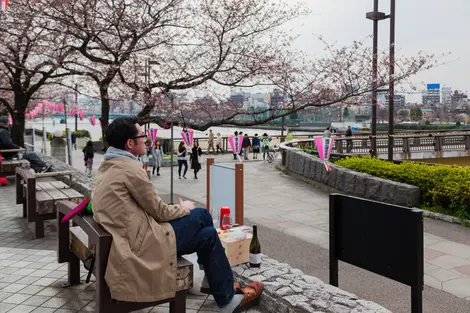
[
  {"x": 289, "y": 290},
  {"x": 351, "y": 182}
]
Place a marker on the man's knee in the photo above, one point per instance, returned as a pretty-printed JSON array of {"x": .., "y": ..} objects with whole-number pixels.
[{"x": 201, "y": 212}]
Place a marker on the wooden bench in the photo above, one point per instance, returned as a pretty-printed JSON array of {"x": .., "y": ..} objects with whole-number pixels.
[
  {"x": 7, "y": 167},
  {"x": 39, "y": 194},
  {"x": 91, "y": 243}
]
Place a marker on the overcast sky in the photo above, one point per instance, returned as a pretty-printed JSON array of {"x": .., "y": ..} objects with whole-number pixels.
[{"x": 434, "y": 26}]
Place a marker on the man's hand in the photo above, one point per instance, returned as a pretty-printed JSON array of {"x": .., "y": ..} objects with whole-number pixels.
[{"x": 186, "y": 204}]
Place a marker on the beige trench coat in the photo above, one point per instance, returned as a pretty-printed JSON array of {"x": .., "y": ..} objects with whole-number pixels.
[{"x": 142, "y": 261}]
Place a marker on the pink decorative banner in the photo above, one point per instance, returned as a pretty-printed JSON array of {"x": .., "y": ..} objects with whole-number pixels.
[
  {"x": 188, "y": 137},
  {"x": 73, "y": 112},
  {"x": 61, "y": 107},
  {"x": 28, "y": 116},
  {"x": 82, "y": 116},
  {"x": 10, "y": 120}
]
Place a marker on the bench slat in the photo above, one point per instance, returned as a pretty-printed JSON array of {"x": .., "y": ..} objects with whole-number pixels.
[
  {"x": 72, "y": 195},
  {"x": 45, "y": 203},
  {"x": 59, "y": 185},
  {"x": 8, "y": 166},
  {"x": 52, "y": 191}
]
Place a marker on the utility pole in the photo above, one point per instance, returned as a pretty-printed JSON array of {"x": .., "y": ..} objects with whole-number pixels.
[
  {"x": 76, "y": 103},
  {"x": 391, "y": 87}
]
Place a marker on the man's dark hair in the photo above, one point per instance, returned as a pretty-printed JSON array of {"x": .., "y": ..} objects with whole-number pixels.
[{"x": 121, "y": 130}]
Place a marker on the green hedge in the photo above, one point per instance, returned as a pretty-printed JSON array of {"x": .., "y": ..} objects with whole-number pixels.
[
  {"x": 443, "y": 188},
  {"x": 80, "y": 134}
]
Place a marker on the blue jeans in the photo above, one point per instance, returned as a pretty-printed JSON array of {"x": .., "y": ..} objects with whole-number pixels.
[
  {"x": 180, "y": 165},
  {"x": 36, "y": 163},
  {"x": 196, "y": 233}
]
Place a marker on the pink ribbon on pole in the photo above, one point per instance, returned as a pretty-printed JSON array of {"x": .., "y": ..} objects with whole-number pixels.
[
  {"x": 93, "y": 120},
  {"x": 324, "y": 147},
  {"x": 82, "y": 116},
  {"x": 154, "y": 135},
  {"x": 61, "y": 107},
  {"x": 236, "y": 145},
  {"x": 73, "y": 112}
]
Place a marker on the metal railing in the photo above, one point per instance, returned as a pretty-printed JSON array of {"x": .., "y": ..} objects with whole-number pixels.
[{"x": 401, "y": 144}]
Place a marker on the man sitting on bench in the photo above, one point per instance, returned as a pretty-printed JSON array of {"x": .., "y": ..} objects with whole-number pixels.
[
  {"x": 6, "y": 144},
  {"x": 148, "y": 234}
]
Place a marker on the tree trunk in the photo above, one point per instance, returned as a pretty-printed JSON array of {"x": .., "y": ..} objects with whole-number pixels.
[
  {"x": 104, "y": 113},
  {"x": 18, "y": 117}
]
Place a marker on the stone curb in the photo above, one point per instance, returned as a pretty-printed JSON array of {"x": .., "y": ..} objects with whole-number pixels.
[{"x": 289, "y": 290}]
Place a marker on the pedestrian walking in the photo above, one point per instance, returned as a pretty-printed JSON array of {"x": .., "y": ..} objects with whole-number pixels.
[
  {"x": 256, "y": 144},
  {"x": 265, "y": 145},
  {"x": 246, "y": 144},
  {"x": 211, "y": 142},
  {"x": 182, "y": 161},
  {"x": 195, "y": 158},
  {"x": 74, "y": 140},
  {"x": 349, "y": 142},
  {"x": 220, "y": 142},
  {"x": 236, "y": 145},
  {"x": 157, "y": 157}
]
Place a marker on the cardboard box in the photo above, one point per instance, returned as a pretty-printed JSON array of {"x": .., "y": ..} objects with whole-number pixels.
[{"x": 238, "y": 252}]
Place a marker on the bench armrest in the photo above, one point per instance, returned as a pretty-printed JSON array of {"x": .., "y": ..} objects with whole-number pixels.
[
  {"x": 25, "y": 173},
  {"x": 94, "y": 230},
  {"x": 53, "y": 174}
]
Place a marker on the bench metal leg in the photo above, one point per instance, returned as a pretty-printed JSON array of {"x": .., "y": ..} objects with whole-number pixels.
[
  {"x": 39, "y": 227},
  {"x": 179, "y": 304},
  {"x": 73, "y": 270},
  {"x": 25, "y": 213}
]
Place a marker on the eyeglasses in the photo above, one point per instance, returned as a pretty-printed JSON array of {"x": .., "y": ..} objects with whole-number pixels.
[{"x": 137, "y": 137}]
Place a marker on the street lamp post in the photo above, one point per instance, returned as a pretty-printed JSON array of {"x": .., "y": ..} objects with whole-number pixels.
[{"x": 377, "y": 16}]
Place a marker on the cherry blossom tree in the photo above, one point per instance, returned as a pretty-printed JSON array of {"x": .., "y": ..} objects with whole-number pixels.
[
  {"x": 30, "y": 57},
  {"x": 341, "y": 77}
]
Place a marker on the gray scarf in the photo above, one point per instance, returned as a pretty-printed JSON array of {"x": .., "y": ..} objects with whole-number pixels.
[{"x": 113, "y": 153}]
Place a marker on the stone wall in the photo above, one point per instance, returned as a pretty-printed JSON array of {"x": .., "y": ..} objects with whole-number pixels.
[
  {"x": 351, "y": 182},
  {"x": 287, "y": 290},
  {"x": 80, "y": 180}
]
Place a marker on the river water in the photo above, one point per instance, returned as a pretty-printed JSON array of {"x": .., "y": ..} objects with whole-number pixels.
[{"x": 52, "y": 125}]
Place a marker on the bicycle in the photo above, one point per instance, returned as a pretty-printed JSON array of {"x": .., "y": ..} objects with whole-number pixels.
[{"x": 272, "y": 154}]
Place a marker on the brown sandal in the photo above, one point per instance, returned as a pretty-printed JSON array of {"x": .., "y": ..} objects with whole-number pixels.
[
  {"x": 250, "y": 295},
  {"x": 208, "y": 290}
]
